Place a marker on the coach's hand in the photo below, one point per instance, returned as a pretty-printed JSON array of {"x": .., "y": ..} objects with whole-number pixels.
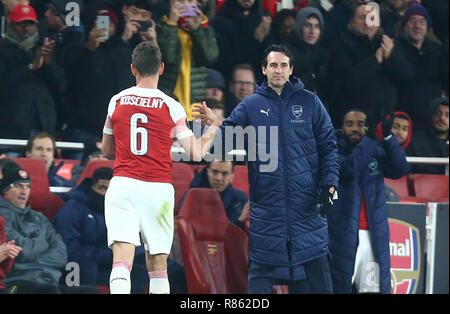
[
  {"x": 205, "y": 114},
  {"x": 326, "y": 200}
]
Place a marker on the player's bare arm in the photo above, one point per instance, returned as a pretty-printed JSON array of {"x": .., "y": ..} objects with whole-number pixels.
[
  {"x": 108, "y": 146},
  {"x": 198, "y": 147}
]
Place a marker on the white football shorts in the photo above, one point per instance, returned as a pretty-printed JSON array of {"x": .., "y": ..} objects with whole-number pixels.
[
  {"x": 134, "y": 207},
  {"x": 366, "y": 275}
]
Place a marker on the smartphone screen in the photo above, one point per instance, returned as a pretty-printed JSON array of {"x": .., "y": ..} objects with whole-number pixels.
[
  {"x": 103, "y": 23},
  {"x": 191, "y": 10}
]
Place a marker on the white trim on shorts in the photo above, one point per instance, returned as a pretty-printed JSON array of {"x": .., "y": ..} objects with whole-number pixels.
[{"x": 136, "y": 210}]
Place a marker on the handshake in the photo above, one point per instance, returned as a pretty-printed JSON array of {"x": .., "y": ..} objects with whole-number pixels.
[{"x": 325, "y": 200}]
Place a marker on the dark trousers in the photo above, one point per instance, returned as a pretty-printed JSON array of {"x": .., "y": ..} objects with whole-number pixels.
[{"x": 318, "y": 280}]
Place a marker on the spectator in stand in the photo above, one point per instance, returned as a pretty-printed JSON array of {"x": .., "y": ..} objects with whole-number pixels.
[
  {"x": 241, "y": 27},
  {"x": 81, "y": 223},
  {"x": 188, "y": 45},
  {"x": 27, "y": 75},
  {"x": 425, "y": 75},
  {"x": 311, "y": 60},
  {"x": 337, "y": 20},
  {"x": 38, "y": 267},
  {"x": 432, "y": 142},
  {"x": 391, "y": 14},
  {"x": 215, "y": 85},
  {"x": 242, "y": 84},
  {"x": 6, "y": 7},
  {"x": 282, "y": 26},
  {"x": 358, "y": 225},
  {"x": 104, "y": 63},
  {"x": 218, "y": 175},
  {"x": 68, "y": 40},
  {"x": 365, "y": 62},
  {"x": 402, "y": 128},
  {"x": 42, "y": 146}
]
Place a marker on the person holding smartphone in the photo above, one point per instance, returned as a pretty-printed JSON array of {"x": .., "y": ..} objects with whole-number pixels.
[
  {"x": 186, "y": 33},
  {"x": 139, "y": 25}
]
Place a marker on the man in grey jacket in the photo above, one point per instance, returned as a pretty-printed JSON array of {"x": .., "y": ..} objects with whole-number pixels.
[{"x": 38, "y": 267}]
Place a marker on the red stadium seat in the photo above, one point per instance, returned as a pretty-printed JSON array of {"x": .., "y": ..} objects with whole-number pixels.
[
  {"x": 400, "y": 186},
  {"x": 215, "y": 251},
  {"x": 240, "y": 180},
  {"x": 66, "y": 170},
  {"x": 92, "y": 166},
  {"x": 182, "y": 175},
  {"x": 430, "y": 186}
]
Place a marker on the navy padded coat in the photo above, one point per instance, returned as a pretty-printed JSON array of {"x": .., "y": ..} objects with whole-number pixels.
[
  {"x": 295, "y": 129},
  {"x": 362, "y": 171}
]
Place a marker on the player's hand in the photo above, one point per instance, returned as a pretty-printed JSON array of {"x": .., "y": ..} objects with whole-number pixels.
[{"x": 205, "y": 114}]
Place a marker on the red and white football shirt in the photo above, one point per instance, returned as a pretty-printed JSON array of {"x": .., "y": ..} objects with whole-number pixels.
[{"x": 144, "y": 123}]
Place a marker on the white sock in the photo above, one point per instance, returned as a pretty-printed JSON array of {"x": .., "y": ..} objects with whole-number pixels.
[
  {"x": 119, "y": 280},
  {"x": 159, "y": 283}
]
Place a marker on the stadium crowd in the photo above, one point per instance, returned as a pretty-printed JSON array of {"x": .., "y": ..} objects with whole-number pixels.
[{"x": 59, "y": 69}]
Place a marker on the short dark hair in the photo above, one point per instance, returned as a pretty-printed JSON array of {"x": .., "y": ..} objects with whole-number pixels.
[
  {"x": 146, "y": 58},
  {"x": 354, "y": 110},
  {"x": 277, "y": 48},
  {"x": 102, "y": 173},
  {"x": 214, "y": 104},
  {"x": 243, "y": 66},
  {"x": 40, "y": 135},
  {"x": 232, "y": 163},
  {"x": 140, "y": 4}
]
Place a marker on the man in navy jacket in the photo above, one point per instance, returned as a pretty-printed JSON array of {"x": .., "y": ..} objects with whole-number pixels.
[
  {"x": 358, "y": 224},
  {"x": 288, "y": 235}
]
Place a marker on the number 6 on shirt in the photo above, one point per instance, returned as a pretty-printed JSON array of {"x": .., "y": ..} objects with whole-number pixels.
[{"x": 135, "y": 131}]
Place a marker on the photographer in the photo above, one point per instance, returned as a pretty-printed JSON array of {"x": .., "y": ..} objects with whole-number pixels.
[{"x": 188, "y": 45}]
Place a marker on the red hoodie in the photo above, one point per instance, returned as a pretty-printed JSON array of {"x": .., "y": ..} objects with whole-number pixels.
[
  {"x": 7, "y": 264},
  {"x": 379, "y": 131}
]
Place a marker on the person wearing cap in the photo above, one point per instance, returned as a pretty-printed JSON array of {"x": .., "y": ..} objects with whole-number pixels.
[
  {"x": 425, "y": 74},
  {"x": 27, "y": 77},
  {"x": 311, "y": 60},
  {"x": 38, "y": 267},
  {"x": 6, "y": 6},
  {"x": 215, "y": 85}
]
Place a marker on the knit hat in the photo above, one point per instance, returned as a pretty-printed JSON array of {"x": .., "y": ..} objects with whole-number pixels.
[
  {"x": 12, "y": 174},
  {"x": 215, "y": 79},
  {"x": 415, "y": 8},
  {"x": 302, "y": 15}
]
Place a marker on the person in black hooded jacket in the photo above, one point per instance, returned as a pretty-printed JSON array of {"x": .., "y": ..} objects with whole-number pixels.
[
  {"x": 311, "y": 60},
  {"x": 241, "y": 28}
]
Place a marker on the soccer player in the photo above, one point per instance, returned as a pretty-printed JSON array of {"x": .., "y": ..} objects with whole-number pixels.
[{"x": 139, "y": 130}]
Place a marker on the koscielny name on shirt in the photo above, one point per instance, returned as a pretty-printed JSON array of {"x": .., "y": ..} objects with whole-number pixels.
[{"x": 156, "y": 103}]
